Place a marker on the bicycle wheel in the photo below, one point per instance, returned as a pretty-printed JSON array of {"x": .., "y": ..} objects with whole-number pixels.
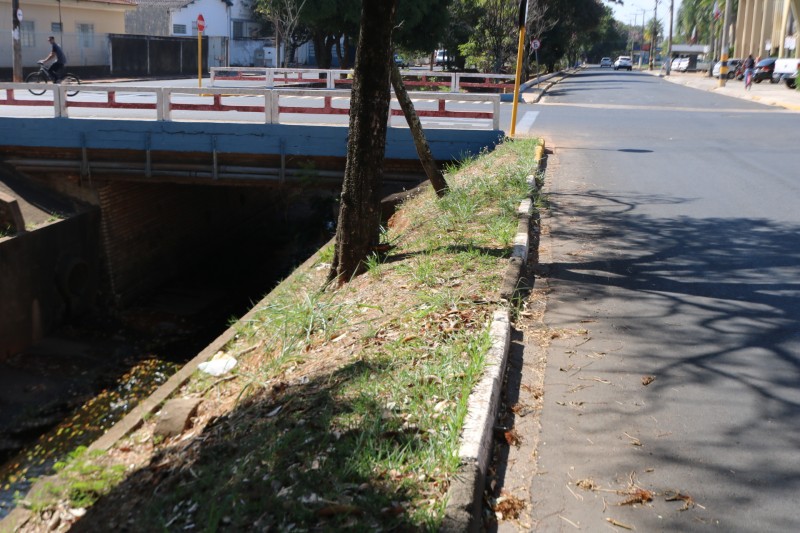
[
  {"x": 38, "y": 78},
  {"x": 71, "y": 79}
]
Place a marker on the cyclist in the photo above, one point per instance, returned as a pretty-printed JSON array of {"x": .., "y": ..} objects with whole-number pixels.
[
  {"x": 56, "y": 70},
  {"x": 749, "y": 70}
]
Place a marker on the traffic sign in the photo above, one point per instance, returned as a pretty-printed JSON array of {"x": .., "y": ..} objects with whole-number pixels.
[
  {"x": 535, "y": 44},
  {"x": 201, "y": 23}
]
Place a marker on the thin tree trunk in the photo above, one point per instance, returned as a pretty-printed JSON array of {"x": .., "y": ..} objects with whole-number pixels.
[
  {"x": 423, "y": 148},
  {"x": 358, "y": 228}
]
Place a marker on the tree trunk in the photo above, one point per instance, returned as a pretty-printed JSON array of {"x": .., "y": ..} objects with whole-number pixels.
[
  {"x": 423, "y": 148},
  {"x": 358, "y": 228}
]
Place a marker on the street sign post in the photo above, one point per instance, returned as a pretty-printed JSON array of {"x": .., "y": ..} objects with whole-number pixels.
[{"x": 201, "y": 25}]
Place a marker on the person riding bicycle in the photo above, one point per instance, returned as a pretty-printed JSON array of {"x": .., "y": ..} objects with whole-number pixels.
[
  {"x": 56, "y": 70},
  {"x": 749, "y": 69}
]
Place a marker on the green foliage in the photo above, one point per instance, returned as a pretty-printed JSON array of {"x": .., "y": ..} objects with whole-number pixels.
[{"x": 82, "y": 479}]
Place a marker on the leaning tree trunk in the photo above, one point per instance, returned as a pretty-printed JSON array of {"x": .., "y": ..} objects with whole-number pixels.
[
  {"x": 358, "y": 228},
  {"x": 423, "y": 148}
]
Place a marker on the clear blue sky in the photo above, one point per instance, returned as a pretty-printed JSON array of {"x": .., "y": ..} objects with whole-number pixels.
[{"x": 631, "y": 11}]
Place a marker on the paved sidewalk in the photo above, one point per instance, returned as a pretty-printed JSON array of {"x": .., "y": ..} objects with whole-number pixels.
[{"x": 776, "y": 94}]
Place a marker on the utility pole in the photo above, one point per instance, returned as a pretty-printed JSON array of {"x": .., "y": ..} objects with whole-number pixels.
[
  {"x": 669, "y": 39},
  {"x": 654, "y": 39},
  {"x": 15, "y": 45},
  {"x": 723, "y": 69},
  {"x": 641, "y": 54}
]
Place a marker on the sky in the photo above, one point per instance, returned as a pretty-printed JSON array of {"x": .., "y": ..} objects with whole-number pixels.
[{"x": 631, "y": 11}]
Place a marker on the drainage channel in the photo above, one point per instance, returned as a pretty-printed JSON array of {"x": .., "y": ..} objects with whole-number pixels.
[{"x": 69, "y": 389}]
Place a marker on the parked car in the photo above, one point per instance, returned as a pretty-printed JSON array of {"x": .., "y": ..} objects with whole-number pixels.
[
  {"x": 733, "y": 66},
  {"x": 606, "y": 62},
  {"x": 764, "y": 70},
  {"x": 680, "y": 64},
  {"x": 786, "y": 70},
  {"x": 399, "y": 61},
  {"x": 441, "y": 58},
  {"x": 623, "y": 62}
]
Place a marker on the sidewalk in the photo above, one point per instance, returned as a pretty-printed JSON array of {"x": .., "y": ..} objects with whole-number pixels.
[{"x": 776, "y": 94}]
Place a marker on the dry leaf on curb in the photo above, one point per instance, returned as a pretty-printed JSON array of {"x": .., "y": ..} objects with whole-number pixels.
[
  {"x": 673, "y": 495},
  {"x": 638, "y": 496},
  {"x": 512, "y": 437},
  {"x": 508, "y": 506},
  {"x": 619, "y": 524},
  {"x": 647, "y": 380}
]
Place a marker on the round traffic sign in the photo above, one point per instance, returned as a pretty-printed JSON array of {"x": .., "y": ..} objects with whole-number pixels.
[
  {"x": 535, "y": 44},
  {"x": 201, "y": 23}
]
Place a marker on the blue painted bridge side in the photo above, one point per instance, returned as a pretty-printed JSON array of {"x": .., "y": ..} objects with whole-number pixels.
[{"x": 231, "y": 138}]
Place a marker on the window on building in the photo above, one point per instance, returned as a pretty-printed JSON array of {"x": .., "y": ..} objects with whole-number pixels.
[
  {"x": 179, "y": 29},
  {"x": 238, "y": 29},
  {"x": 86, "y": 35},
  {"x": 55, "y": 27},
  {"x": 27, "y": 34}
]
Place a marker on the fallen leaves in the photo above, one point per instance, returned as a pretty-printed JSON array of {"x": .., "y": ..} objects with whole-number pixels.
[
  {"x": 507, "y": 506},
  {"x": 618, "y": 524},
  {"x": 647, "y": 380},
  {"x": 674, "y": 495},
  {"x": 639, "y": 495}
]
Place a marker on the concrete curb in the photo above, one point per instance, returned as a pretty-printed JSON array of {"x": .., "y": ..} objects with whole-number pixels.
[{"x": 465, "y": 495}]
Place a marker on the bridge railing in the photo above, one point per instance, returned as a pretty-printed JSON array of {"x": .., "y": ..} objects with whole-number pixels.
[
  {"x": 334, "y": 79},
  {"x": 270, "y": 106}
]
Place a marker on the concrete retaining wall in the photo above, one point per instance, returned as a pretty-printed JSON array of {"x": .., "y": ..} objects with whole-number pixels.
[{"x": 48, "y": 274}]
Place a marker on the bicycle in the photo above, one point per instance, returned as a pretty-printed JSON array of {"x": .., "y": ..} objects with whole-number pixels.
[{"x": 43, "y": 76}]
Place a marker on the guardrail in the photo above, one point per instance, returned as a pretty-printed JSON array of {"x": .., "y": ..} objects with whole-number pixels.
[
  {"x": 270, "y": 104},
  {"x": 332, "y": 78}
]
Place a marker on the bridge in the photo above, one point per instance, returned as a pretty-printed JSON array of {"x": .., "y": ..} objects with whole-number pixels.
[
  {"x": 157, "y": 178},
  {"x": 221, "y": 133}
]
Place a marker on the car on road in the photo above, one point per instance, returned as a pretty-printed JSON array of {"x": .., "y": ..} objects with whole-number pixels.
[
  {"x": 623, "y": 62},
  {"x": 606, "y": 62},
  {"x": 764, "y": 70},
  {"x": 399, "y": 61},
  {"x": 733, "y": 66}
]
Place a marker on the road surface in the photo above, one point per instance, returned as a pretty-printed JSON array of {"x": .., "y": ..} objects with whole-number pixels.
[{"x": 671, "y": 258}]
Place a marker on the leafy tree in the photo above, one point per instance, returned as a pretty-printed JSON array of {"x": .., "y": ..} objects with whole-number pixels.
[
  {"x": 575, "y": 18},
  {"x": 492, "y": 44},
  {"x": 357, "y": 232},
  {"x": 284, "y": 16}
]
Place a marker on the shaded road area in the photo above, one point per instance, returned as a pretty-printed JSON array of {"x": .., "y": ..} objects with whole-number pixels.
[{"x": 670, "y": 260}]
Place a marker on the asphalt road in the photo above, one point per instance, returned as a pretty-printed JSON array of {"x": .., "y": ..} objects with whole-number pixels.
[{"x": 671, "y": 253}]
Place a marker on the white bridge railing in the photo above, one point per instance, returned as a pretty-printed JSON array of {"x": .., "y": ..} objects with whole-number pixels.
[
  {"x": 334, "y": 79},
  {"x": 270, "y": 106}
]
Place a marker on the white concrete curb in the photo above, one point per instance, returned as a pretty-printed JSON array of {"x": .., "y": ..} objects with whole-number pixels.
[{"x": 465, "y": 496}]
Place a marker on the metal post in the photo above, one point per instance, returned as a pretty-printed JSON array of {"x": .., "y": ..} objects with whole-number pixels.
[
  {"x": 669, "y": 39},
  {"x": 723, "y": 70},
  {"x": 15, "y": 44},
  {"x": 523, "y": 17}
]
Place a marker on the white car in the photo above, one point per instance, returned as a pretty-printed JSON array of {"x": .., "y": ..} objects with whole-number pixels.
[
  {"x": 606, "y": 62},
  {"x": 680, "y": 64},
  {"x": 623, "y": 62}
]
